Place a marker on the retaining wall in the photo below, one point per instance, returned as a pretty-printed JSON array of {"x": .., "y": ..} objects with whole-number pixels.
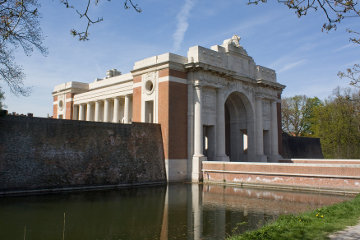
[
  {"x": 307, "y": 176},
  {"x": 300, "y": 147},
  {"x": 40, "y": 153}
]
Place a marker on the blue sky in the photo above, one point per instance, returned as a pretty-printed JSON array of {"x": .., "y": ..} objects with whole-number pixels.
[{"x": 305, "y": 58}]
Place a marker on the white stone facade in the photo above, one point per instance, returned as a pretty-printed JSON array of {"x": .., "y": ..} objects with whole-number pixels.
[{"x": 214, "y": 104}]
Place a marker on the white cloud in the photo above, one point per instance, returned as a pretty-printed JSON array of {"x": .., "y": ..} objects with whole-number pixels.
[
  {"x": 182, "y": 24},
  {"x": 349, "y": 64},
  {"x": 349, "y": 45},
  {"x": 291, "y": 65}
]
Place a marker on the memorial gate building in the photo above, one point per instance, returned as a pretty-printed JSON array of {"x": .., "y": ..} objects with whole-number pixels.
[{"x": 213, "y": 105}]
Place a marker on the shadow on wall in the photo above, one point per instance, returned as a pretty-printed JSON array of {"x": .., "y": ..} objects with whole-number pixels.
[{"x": 301, "y": 147}]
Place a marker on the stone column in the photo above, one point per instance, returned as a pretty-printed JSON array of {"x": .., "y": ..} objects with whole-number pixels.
[
  {"x": 97, "y": 111},
  {"x": 198, "y": 128},
  {"x": 259, "y": 131},
  {"x": 106, "y": 110},
  {"x": 76, "y": 112},
  {"x": 116, "y": 110},
  {"x": 81, "y": 112},
  {"x": 126, "y": 109},
  {"x": 198, "y": 136},
  {"x": 88, "y": 112},
  {"x": 220, "y": 126},
  {"x": 274, "y": 133}
]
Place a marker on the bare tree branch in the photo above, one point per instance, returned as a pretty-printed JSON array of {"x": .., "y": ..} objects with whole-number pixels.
[
  {"x": 19, "y": 26},
  {"x": 335, "y": 11},
  {"x": 353, "y": 74},
  {"x": 84, "y": 35}
]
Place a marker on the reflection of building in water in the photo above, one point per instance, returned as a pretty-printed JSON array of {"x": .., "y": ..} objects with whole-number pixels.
[
  {"x": 195, "y": 211},
  {"x": 213, "y": 104},
  {"x": 269, "y": 202}
]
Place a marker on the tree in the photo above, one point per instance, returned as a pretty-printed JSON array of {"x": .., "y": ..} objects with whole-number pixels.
[
  {"x": 334, "y": 11},
  {"x": 297, "y": 114},
  {"x": 1, "y": 100},
  {"x": 83, "y": 35},
  {"x": 337, "y": 124},
  {"x": 19, "y": 27},
  {"x": 353, "y": 74}
]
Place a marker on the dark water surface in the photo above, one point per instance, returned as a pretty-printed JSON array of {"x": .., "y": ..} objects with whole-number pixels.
[{"x": 181, "y": 211}]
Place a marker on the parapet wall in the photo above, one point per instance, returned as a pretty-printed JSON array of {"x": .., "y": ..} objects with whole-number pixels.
[
  {"x": 339, "y": 177},
  {"x": 40, "y": 153}
]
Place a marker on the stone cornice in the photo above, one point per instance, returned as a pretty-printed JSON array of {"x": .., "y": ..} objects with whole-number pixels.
[
  {"x": 209, "y": 68},
  {"x": 157, "y": 67},
  {"x": 220, "y": 72},
  {"x": 274, "y": 85}
]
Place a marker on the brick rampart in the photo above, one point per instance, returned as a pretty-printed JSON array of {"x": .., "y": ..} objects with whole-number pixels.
[
  {"x": 322, "y": 177},
  {"x": 40, "y": 153}
]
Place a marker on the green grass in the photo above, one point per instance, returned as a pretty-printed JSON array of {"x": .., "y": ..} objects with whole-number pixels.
[{"x": 317, "y": 224}]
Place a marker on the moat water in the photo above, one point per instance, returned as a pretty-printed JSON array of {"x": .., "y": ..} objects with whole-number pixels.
[{"x": 180, "y": 211}]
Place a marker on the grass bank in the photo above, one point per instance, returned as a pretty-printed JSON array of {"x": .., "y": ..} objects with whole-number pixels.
[{"x": 317, "y": 224}]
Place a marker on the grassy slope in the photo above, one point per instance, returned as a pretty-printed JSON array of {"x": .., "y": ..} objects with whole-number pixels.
[{"x": 317, "y": 224}]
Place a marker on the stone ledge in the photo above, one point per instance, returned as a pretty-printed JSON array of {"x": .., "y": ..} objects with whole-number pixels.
[
  {"x": 283, "y": 174},
  {"x": 76, "y": 189}
]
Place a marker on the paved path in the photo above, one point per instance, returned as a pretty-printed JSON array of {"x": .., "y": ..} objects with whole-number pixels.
[{"x": 349, "y": 233}]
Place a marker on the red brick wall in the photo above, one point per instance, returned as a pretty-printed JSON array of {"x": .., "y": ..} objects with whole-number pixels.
[
  {"x": 69, "y": 106},
  {"x": 54, "y": 111},
  {"x": 136, "y": 107},
  {"x": 137, "y": 79},
  {"x": 171, "y": 72},
  {"x": 173, "y": 115},
  {"x": 178, "y": 120},
  {"x": 302, "y": 176},
  {"x": 163, "y": 117},
  {"x": 69, "y": 110},
  {"x": 55, "y": 107}
]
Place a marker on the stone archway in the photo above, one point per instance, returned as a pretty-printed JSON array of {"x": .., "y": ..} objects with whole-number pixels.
[{"x": 239, "y": 128}]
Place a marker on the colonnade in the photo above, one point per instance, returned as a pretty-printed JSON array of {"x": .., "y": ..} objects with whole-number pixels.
[
  {"x": 220, "y": 128},
  {"x": 114, "y": 110}
]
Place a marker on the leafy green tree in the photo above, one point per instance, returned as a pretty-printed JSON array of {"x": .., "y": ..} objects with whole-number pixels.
[
  {"x": 337, "y": 123},
  {"x": 297, "y": 114}
]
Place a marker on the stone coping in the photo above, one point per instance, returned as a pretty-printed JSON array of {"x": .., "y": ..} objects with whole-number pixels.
[
  {"x": 283, "y": 174},
  {"x": 285, "y": 164},
  {"x": 320, "y": 160}
]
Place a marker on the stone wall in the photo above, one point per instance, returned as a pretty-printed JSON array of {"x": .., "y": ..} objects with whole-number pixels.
[
  {"x": 300, "y": 147},
  {"x": 40, "y": 153}
]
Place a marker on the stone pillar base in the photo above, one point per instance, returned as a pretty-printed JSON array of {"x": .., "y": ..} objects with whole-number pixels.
[
  {"x": 223, "y": 158},
  {"x": 176, "y": 170},
  {"x": 196, "y": 175},
  {"x": 262, "y": 158},
  {"x": 275, "y": 158}
]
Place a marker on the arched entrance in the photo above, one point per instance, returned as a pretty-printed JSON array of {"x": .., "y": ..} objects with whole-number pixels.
[{"x": 239, "y": 128}]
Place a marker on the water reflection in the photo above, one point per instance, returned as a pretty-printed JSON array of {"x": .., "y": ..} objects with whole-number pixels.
[{"x": 180, "y": 211}]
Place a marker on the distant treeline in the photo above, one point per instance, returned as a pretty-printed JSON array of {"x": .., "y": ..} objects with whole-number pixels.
[{"x": 336, "y": 121}]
